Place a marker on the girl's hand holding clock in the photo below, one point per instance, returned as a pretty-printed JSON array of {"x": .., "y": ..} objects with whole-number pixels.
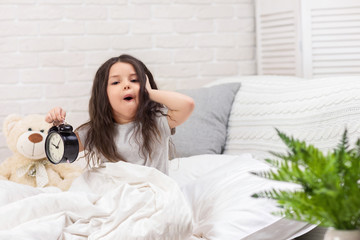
[
  {"x": 61, "y": 144},
  {"x": 56, "y": 116}
]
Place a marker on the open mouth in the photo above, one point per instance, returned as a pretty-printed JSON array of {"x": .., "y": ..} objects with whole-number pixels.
[{"x": 128, "y": 98}]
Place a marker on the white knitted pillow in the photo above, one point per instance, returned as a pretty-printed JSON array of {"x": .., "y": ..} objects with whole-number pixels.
[{"x": 315, "y": 110}]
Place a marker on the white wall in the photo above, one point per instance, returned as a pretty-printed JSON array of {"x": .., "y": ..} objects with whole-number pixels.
[{"x": 50, "y": 49}]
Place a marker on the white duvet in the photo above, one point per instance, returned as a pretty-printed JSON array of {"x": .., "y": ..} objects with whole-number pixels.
[
  {"x": 118, "y": 201},
  {"x": 219, "y": 188},
  {"x": 205, "y": 197}
]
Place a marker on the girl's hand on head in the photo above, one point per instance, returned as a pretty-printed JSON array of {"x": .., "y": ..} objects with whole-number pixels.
[
  {"x": 148, "y": 86},
  {"x": 56, "y": 116}
]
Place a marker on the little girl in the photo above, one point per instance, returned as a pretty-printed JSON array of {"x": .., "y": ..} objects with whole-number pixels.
[{"x": 130, "y": 119}]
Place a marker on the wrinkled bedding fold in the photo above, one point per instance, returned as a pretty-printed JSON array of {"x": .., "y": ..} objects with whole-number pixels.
[{"x": 116, "y": 201}]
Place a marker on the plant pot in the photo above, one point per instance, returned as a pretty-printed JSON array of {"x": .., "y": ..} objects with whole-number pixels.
[{"x": 334, "y": 234}]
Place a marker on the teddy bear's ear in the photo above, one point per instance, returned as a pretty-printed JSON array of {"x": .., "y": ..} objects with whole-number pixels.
[{"x": 10, "y": 122}]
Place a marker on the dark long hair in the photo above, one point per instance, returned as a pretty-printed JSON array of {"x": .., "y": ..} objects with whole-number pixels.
[{"x": 101, "y": 126}]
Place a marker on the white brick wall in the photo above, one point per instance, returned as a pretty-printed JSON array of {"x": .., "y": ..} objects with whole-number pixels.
[{"x": 50, "y": 49}]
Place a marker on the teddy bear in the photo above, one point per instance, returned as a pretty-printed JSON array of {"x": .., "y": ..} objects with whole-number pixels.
[{"x": 25, "y": 137}]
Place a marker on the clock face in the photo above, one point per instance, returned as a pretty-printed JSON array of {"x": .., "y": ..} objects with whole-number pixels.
[{"x": 55, "y": 147}]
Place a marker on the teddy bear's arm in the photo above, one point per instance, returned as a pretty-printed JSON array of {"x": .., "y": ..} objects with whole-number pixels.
[
  {"x": 68, "y": 173},
  {"x": 5, "y": 170},
  {"x": 67, "y": 170}
]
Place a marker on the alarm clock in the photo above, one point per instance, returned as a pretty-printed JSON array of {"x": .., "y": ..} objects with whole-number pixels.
[{"x": 61, "y": 144}]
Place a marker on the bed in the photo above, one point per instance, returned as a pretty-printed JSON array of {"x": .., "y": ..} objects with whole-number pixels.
[
  {"x": 207, "y": 194},
  {"x": 315, "y": 110}
]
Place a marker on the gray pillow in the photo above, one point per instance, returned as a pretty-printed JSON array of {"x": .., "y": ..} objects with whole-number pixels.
[{"x": 205, "y": 130}]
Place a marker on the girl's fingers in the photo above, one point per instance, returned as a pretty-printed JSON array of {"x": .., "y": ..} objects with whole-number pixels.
[
  {"x": 59, "y": 114},
  {"x": 52, "y": 115},
  {"x": 62, "y": 114},
  {"x": 48, "y": 118},
  {"x": 148, "y": 86},
  {"x": 56, "y": 115}
]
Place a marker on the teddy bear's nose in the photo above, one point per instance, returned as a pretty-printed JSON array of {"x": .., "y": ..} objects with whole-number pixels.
[{"x": 35, "y": 138}]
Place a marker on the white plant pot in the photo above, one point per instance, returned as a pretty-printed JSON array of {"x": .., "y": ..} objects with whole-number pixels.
[{"x": 334, "y": 234}]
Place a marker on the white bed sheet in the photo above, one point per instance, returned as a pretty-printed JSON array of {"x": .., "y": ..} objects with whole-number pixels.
[
  {"x": 118, "y": 201},
  {"x": 219, "y": 188},
  {"x": 209, "y": 199}
]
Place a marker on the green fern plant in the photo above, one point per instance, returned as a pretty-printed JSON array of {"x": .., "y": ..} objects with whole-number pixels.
[{"x": 330, "y": 183}]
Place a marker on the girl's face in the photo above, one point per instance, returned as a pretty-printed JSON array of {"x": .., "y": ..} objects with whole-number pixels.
[{"x": 123, "y": 92}]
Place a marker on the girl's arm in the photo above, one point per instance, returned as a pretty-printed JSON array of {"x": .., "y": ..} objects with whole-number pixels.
[{"x": 179, "y": 105}]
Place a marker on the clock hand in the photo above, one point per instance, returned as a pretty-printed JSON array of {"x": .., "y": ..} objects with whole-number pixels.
[
  {"x": 54, "y": 145},
  {"x": 57, "y": 146}
]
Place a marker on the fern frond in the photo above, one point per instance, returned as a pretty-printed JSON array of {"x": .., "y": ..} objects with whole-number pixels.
[
  {"x": 273, "y": 162},
  {"x": 330, "y": 183}
]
